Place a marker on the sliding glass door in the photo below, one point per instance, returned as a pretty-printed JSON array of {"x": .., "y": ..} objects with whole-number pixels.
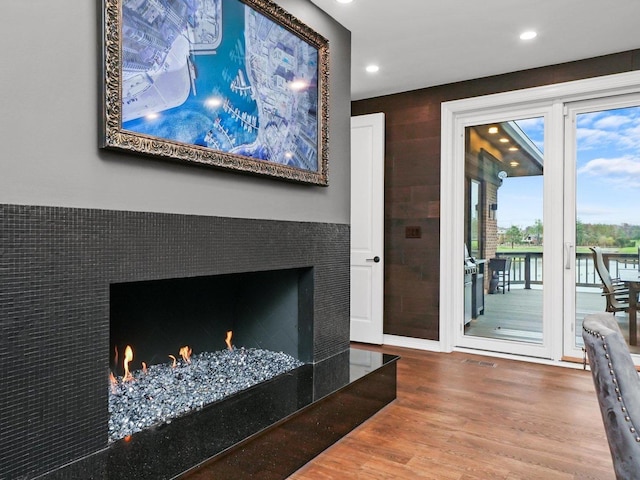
[
  {"x": 504, "y": 171},
  {"x": 603, "y": 218},
  {"x": 532, "y": 181},
  {"x": 547, "y": 189}
]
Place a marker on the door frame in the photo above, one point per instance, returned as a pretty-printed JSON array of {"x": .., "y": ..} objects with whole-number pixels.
[{"x": 452, "y": 176}]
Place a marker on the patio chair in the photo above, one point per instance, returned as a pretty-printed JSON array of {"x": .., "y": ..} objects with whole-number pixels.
[
  {"x": 616, "y": 293},
  {"x": 501, "y": 271},
  {"x": 617, "y": 387}
]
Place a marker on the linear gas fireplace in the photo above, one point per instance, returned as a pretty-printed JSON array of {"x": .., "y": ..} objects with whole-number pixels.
[
  {"x": 269, "y": 309},
  {"x": 77, "y": 283},
  {"x": 180, "y": 344}
]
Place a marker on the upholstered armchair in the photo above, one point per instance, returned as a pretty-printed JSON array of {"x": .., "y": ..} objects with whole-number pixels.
[{"x": 618, "y": 389}]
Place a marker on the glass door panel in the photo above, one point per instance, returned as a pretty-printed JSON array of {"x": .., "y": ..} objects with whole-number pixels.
[
  {"x": 504, "y": 171},
  {"x": 603, "y": 152}
]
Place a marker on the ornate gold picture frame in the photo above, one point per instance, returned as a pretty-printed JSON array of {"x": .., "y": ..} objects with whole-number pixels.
[{"x": 234, "y": 84}]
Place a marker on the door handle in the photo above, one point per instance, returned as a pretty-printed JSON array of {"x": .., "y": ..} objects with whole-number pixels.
[
  {"x": 375, "y": 259},
  {"x": 567, "y": 255}
]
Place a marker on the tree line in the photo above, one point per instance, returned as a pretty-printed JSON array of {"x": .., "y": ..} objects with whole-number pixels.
[
  {"x": 605, "y": 235},
  {"x": 601, "y": 234}
]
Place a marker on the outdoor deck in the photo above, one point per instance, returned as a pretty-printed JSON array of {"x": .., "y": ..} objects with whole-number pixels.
[{"x": 517, "y": 315}]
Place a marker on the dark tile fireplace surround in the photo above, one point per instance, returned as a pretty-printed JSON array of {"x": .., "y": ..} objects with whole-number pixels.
[{"x": 58, "y": 267}]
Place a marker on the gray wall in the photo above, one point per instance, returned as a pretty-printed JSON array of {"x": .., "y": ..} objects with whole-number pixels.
[{"x": 49, "y": 125}]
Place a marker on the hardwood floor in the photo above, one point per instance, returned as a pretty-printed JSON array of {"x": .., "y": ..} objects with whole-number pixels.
[{"x": 467, "y": 417}]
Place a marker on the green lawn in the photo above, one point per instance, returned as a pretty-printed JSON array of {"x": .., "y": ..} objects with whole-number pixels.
[{"x": 504, "y": 248}]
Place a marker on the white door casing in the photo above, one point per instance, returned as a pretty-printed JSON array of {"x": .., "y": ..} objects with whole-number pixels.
[{"x": 367, "y": 228}]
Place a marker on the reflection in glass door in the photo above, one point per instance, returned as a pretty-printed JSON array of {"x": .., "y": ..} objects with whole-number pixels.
[
  {"x": 504, "y": 171},
  {"x": 603, "y": 145}
]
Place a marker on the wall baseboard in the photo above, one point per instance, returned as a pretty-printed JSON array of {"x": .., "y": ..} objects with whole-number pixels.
[{"x": 410, "y": 342}]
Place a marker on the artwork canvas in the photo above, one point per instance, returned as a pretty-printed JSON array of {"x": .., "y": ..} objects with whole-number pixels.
[{"x": 234, "y": 84}]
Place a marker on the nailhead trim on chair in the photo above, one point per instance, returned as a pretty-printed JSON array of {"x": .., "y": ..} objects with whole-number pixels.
[{"x": 632, "y": 429}]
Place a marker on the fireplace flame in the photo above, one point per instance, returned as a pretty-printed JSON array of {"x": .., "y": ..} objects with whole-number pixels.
[
  {"x": 175, "y": 361},
  {"x": 128, "y": 356},
  {"x": 185, "y": 353},
  {"x": 144, "y": 367},
  {"x": 228, "y": 340}
]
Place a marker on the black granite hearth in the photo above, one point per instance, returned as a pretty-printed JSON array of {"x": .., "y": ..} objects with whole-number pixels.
[{"x": 266, "y": 432}]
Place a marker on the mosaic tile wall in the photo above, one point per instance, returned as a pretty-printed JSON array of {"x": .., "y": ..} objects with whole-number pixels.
[{"x": 56, "y": 265}]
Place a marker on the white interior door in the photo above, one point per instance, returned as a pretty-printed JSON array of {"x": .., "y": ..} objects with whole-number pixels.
[{"x": 367, "y": 228}]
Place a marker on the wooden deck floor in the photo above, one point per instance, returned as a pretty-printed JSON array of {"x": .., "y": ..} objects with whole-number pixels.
[
  {"x": 517, "y": 315},
  {"x": 467, "y": 417}
]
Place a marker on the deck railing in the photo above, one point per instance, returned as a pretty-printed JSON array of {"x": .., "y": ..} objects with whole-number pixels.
[{"x": 526, "y": 267}]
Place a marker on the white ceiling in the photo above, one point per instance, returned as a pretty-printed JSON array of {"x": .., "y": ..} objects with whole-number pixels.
[{"x": 422, "y": 43}]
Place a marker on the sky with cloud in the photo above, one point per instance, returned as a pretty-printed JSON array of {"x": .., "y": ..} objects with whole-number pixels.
[{"x": 608, "y": 172}]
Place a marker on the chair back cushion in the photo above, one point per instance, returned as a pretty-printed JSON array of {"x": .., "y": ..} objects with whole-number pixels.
[{"x": 617, "y": 387}]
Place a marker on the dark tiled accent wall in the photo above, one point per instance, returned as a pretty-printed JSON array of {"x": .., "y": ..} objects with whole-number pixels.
[{"x": 56, "y": 265}]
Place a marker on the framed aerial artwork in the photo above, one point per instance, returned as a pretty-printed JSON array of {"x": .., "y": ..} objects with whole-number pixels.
[{"x": 234, "y": 84}]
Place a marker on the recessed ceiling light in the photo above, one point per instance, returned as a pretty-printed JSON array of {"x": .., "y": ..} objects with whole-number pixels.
[
  {"x": 372, "y": 68},
  {"x": 504, "y": 140},
  {"x": 493, "y": 129},
  {"x": 513, "y": 149},
  {"x": 528, "y": 35},
  {"x": 514, "y": 164}
]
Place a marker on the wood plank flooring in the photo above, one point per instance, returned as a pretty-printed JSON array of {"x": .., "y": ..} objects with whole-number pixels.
[{"x": 467, "y": 417}]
